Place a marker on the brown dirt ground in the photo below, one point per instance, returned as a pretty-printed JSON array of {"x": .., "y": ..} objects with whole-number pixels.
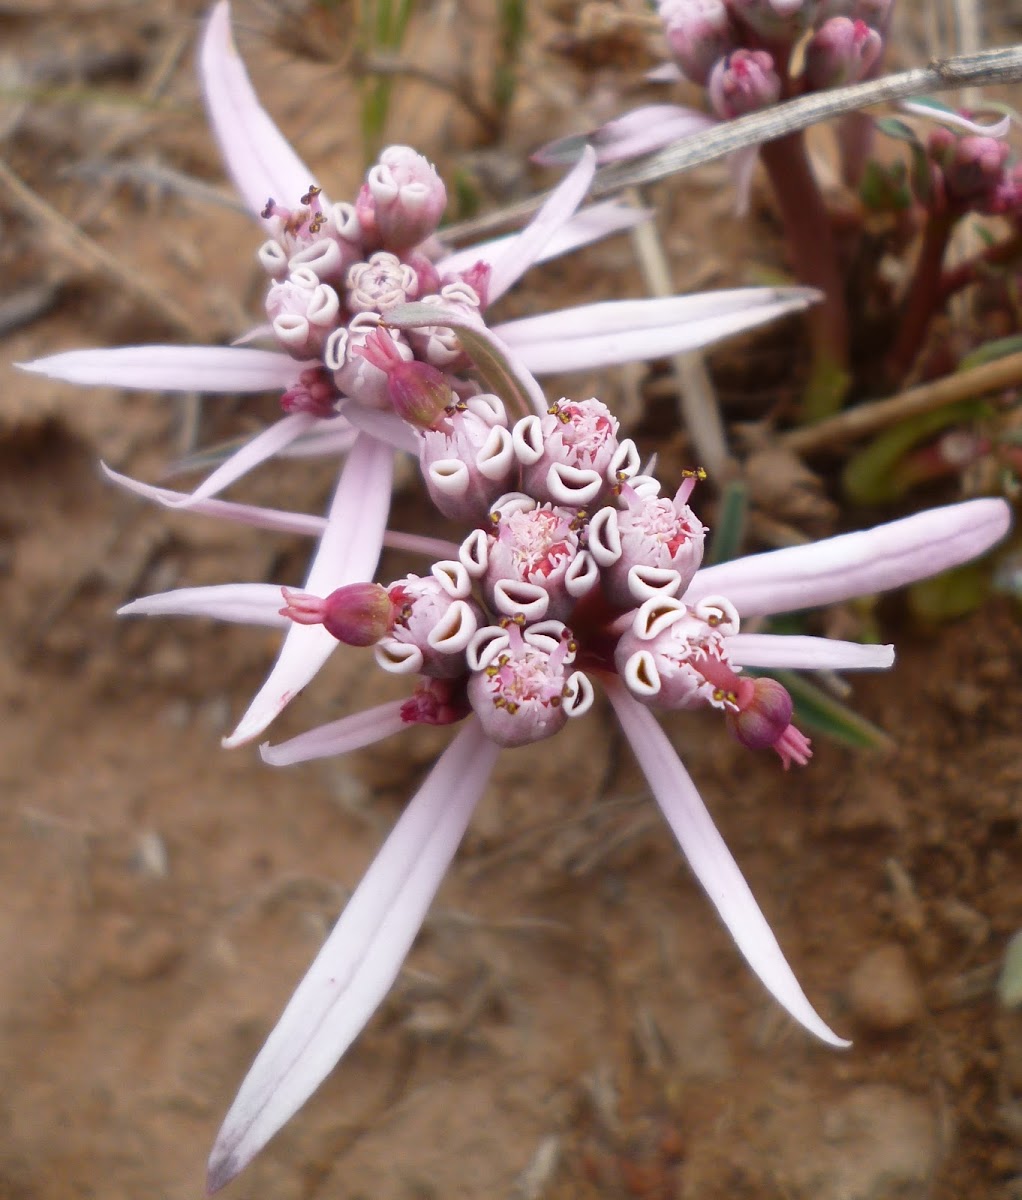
[{"x": 573, "y": 1022}]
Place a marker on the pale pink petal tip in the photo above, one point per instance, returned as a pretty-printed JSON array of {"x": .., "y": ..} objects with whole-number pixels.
[
  {"x": 258, "y": 156},
  {"x": 360, "y": 959},
  {"x": 347, "y": 553},
  {"x": 171, "y": 368},
  {"x": 711, "y": 861}
]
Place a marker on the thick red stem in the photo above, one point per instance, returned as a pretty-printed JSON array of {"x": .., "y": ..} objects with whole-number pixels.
[
  {"x": 923, "y": 296},
  {"x": 810, "y": 239}
]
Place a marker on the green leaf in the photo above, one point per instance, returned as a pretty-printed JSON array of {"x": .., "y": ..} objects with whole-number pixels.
[
  {"x": 991, "y": 351},
  {"x": 1009, "y": 985},
  {"x": 871, "y": 476},
  {"x": 820, "y": 712},
  {"x": 729, "y": 531},
  {"x": 951, "y": 594},
  {"x": 898, "y": 130}
]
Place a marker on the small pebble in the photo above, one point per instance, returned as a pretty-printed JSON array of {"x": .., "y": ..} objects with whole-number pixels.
[{"x": 883, "y": 992}]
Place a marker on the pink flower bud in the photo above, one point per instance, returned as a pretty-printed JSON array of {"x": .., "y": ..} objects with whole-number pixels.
[
  {"x": 539, "y": 547},
  {"x": 699, "y": 33},
  {"x": 418, "y": 393},
  {"x": 303, "y": 312},
  {"x": 358, "y": 614},
  {"x": 763, "y": 718},
  {"x": 381, "y": 283},
  {"x": 744, "y": 82},
  {"x": 519, "y": 692},
  {"x": 841, "y": 51},
  {"x": 314, "y": 393},
  {"x": 354, "y": 374},
  {"x": 655, "y": 532},
  {"x": 436, "y": 702},
  {"x": 468, "y": 460},
  {"x": 407, "y": 196},
  {"x": 566, "y": 454},
  {"x": 972, "y": 165},
  {"x": 436, "y": 619}
]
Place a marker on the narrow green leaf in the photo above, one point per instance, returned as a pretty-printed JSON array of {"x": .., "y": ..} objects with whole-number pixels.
[
  {"x": 820, "y": 712},
  {"x": 951, "y": 594},
  {"x": 729, "y": 531},
  {"x": 514, "y": 385},
  {"x": 1009, "y": 985},
  {"x": 898, "y": 130},
  {"x": 871, "y": 476},
  {"x": 991, "y": 351}
]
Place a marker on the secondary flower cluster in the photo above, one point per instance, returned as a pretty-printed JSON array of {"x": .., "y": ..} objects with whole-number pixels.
[{"x": 744, "y": 51}]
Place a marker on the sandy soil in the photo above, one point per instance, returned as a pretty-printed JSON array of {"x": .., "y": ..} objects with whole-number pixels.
[{"x": 573, "y": 1022}]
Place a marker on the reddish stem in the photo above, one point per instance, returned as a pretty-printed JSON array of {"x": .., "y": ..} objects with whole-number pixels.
[
  {"x": 924, "y": 294},
  {"x": 810, "y": 239}
]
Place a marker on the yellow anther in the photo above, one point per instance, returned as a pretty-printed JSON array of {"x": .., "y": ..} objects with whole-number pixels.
[{"x": 311, "y": 194}]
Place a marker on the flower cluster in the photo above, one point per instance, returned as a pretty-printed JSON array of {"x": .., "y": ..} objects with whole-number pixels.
[
  {"x": 970, "y": 170},
  {"x": 574, "y": 570},
  {"x": 577, "y": 572},
  {"x": 574, "y": 567}
]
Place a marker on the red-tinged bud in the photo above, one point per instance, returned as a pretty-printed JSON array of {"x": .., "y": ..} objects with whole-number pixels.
[
  {"x": 744, "y": 82},
  {"x": 418, "y": 392},
  {"x": 841, "y": 51},
  {"x": 437, "y": 702},
  {"x": 763, "y": 718},
  {"x": 314, "y": 393},
  {"x": 358, "y": 614},
  {"x": 407, "y": 197},
  {"x": 973, "y": 166}
]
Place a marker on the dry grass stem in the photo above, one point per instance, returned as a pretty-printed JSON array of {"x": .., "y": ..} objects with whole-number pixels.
[
  {"x": 89, "y": 256},
  {"x": 1001, "y": 66},
  {"x": 878, "y": 414}
]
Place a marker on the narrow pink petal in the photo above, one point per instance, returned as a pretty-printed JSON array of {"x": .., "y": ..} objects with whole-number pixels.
[
  {"x": 173, "y": 368},
  {"x": 260, "y": 448},
  {"x": 257, "y": 155},
  {"x": 640, "y": 131},
  {"x": 600, "y": 335},
  {"x": 275, "y": 519},
  {"x": 509, "y": 266},
  {"x": 384, "y": 426},
  {"x": 711, "y": 861},
  {"x": 586, "y": 226},
  {"x": 360, "y": 959},
  {"x": 244, "y": 514},
  {"x": 243, "y": 603},
  {"x": 339, "y": 737},
  {"x": 434, "y": 548},
  {"x": 347, "y": 553},
  {"x": 330, "y": 437},
  {"x": 796, "y": 652},
  {"x": 856, "y": 564}
]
